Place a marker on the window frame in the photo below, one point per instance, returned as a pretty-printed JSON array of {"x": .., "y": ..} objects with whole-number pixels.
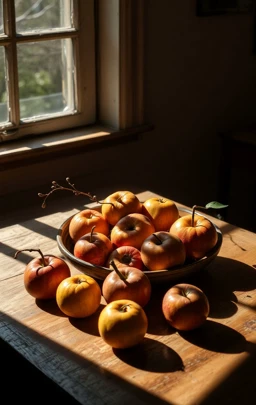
[
  {"x": 82, "y": 37},
  {"x": 120, "y": 89}
]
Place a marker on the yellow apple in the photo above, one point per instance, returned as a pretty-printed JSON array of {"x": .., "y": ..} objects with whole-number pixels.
[
  {"x": 162, "y": 212},
  {"x": 119, "y": 204},
  {"x": 78, "y": 296},
  {"x": 83, "y": 221}
]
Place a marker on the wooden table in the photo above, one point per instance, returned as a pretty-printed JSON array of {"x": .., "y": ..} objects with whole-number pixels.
[{"x": 212, "y": 365}]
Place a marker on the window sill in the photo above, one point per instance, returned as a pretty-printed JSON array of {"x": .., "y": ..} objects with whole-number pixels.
[{"x": 19, "y": 152}]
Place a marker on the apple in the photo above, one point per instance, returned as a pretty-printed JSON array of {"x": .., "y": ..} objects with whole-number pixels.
[
  {"x": 126, "y": 256},
  {"x": 82, "y": 223},
  {"x": 131, "y": 230},
  {"x": 126, "y": 283},
  {"x": 93, "y": 247},
  {"x": 198, "y": 234},
  {"x": 162, "y": 212},
  {"x": 78, "y": 296},
  {"x": 122, "y": 324},
  {"x": 162, "y": 250},
  {"x": 43, "y": 274},
  {"x": 185, "y": 307},
  {"x": 118, "y": 205}
]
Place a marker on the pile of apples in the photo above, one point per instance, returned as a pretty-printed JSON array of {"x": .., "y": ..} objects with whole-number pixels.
[
  {"x": 150, "y": 235},
  {"x": 127, "y": 236},
  {"x": 123, "y": 322}
]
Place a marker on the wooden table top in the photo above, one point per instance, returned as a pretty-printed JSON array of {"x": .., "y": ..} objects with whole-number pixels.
[{"x": 214, "y": 364}]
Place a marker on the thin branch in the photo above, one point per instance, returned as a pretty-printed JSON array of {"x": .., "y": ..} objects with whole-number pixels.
[{"x": 57, "y": 187}]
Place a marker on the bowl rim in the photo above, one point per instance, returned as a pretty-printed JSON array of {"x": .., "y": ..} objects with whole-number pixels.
[{"x": 172, "y": 273}]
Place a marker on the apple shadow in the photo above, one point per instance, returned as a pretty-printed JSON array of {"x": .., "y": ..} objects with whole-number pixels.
[
  {"x": 157, "y": 324},
  {"x": 218, "y": 338},
  {"x": 50, "y": 306},
  {"x": 151, "y": 355},
  {"x": 220, "y": 280},
  {"x": 89, "y": 324}
]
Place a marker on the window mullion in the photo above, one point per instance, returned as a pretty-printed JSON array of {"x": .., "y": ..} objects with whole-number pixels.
[{"x": 12, "y": 63}]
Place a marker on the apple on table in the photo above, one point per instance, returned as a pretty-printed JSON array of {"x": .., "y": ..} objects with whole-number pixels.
[
  {"x": 78, "y": 296},
  {"x": 185, "y": 307},
  {"x": 43, "y": 274},
  {"x": 122, "y": 324},
  {"x": 126, "y": 282}
]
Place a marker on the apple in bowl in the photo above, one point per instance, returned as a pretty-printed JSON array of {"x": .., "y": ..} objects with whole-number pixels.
[
  {"x": 118, "y": 205},
  {"x": 162, "y": 212},
  {"x": 131, "y": 230},
  {"x": 126, "y": 256},
  {"x": 93, "y": 247},
  {"x": 162, "y": 250},
  {"x": 197, "y": 232},
  {"x": 199, "y": 235},
  {"x": 82, "y": 223}
]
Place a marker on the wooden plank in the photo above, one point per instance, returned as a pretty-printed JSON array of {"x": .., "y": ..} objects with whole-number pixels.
[{"x": 199, "y": 367}]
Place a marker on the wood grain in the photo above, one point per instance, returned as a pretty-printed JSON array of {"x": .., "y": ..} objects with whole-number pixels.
[{"x": 214, "y": 364}]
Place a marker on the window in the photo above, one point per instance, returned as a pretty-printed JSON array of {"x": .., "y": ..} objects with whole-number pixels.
[
  {"x": 101, "y": 42},
  {"x": 47, "y": 66}
]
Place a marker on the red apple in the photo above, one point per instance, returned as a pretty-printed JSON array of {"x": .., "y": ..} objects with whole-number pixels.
[
  {"x": 185, "y": 307},
  {"x": 162, "y": 212},
  {"x": 161, "y": 250},
  {"x": 131, "y": 230},
  {"x": 82, "y": 223},
  {"x": 126, "y": 256},
  {"x": 43, "y": 274},
  {"x": 126, "y": 283},
  {"x": 198, "y": 234},
  {"x": 94, "y": 248},
  {"x": 119, "y": 204}
]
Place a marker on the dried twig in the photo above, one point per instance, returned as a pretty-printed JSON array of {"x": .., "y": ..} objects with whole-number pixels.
[{"x": 57, "y": 187}]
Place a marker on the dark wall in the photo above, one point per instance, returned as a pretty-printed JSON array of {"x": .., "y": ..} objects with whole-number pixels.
[{"x": 200, "y": 80}]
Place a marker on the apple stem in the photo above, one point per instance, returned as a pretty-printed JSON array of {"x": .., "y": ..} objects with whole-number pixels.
[
  {"x": 31, "y": 250},
  {"x": 55, "y": 187},
  {"x": 118, "y": 272},
  {"x": 94, "y": 226},
  {"x": 194, "y": 208},
  {"x": 124, "y": 307},
  {"x": 159, "y": 240}
]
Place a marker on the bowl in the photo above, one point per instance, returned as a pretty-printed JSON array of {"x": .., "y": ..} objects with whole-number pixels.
[{"x": 66, "y": 245}]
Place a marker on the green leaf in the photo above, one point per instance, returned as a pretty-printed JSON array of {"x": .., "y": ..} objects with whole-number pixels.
[{"x": 216, "y": 205}]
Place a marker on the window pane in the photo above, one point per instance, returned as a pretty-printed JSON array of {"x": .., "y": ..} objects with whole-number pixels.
[
  {"x": 45, "y": 77},
  {"x": 1, "y": 18},
  {"x": 42, "y": 14},
  {"x": 4, "y": 117}
]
